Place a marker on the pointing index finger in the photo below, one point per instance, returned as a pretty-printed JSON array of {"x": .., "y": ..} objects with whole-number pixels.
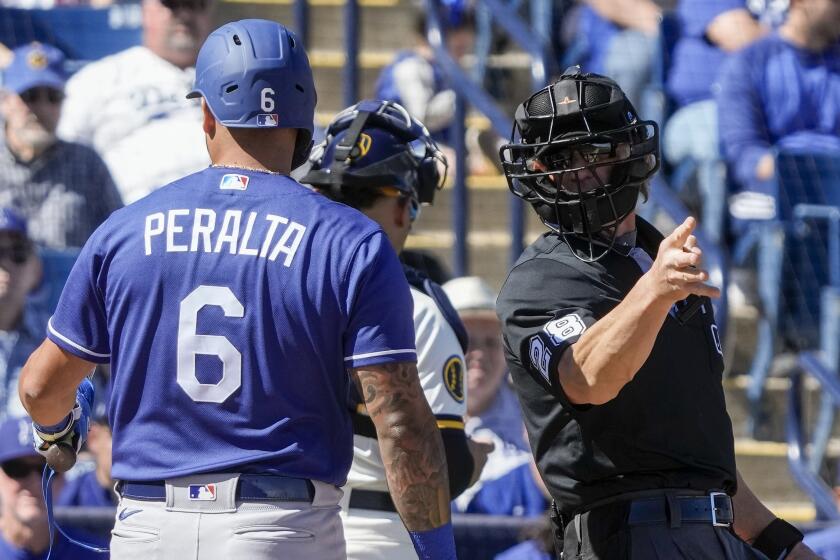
[{"x": 680, "y": 235}]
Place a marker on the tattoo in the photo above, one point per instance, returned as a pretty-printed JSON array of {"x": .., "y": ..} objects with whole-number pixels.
[{"x": 410, "y": 442}]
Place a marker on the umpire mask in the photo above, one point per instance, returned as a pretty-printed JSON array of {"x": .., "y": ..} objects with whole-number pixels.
[{"x": 579, "y": 155}]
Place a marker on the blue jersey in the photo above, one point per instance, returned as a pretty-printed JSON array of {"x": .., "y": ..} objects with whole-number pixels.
[{"x": 230, "y": 304}]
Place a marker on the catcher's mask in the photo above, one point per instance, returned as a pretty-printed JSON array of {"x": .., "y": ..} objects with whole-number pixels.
[
  {"x": 375, "y": 145},
  {"x": 580, "y": 155}
]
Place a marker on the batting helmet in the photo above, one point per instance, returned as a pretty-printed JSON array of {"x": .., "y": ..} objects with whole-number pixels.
[
  {"x": 580, "y": 156},
  {"x": 254, "y": 73},
  {"x": 377, "y": 144}
]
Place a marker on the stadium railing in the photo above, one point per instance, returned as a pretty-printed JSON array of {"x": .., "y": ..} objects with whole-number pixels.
[
  {"x": 797, "y": 257},
  {"x": 469, "y": 91},
  {"x": 806, "y": 293}
]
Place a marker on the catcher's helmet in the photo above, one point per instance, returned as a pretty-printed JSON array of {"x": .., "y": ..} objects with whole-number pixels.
[
  {"x": 377, "y": 144},
  {"x": 580, "y": 155},
  {"x": 254, "y": 73}
]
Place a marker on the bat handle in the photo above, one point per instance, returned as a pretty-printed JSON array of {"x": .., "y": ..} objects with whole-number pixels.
[{"x": 61, "y": 457}]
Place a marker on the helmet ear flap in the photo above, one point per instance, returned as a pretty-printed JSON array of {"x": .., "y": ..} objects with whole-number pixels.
[{"x": 428, "y": 178}]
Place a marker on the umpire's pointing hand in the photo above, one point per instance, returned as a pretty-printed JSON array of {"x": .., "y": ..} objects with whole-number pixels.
[{"x": 676, "y": 272}]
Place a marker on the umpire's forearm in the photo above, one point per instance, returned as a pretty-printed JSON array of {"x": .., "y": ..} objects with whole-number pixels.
[
  {"x": 609, "y": 354},
  {"x": 410, "y": 443}
]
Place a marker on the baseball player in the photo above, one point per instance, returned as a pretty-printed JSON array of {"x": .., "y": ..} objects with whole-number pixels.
[
  {"x": 378, "y": 159},
  {"x": 235, "y": 306}
]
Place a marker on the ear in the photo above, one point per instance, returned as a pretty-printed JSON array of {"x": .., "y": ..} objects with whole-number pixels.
[{"x": 208, "y": 122}]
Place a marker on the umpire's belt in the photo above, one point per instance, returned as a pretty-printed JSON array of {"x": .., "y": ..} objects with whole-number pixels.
[
  {"x": 371, "y": 499},
  {"x": 715, "y": 509},
  {"x": 251, "y": 488}
]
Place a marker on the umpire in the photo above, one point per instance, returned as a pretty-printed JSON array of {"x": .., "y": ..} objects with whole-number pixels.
[{"x": 611, "y": 340}]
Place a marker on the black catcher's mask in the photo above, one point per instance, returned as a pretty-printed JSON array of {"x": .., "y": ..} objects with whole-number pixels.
[{"x": 580, "y": 155}]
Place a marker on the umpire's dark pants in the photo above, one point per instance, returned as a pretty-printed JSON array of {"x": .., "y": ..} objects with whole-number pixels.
[{"x": 615, "y": 531}]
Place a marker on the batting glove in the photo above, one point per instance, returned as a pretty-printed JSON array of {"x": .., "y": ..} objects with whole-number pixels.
[{"x": 73, "y": 430}]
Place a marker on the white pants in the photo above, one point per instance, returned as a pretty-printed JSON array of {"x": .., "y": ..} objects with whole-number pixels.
[
  {"x": 269, "y": 530},
  {"x": 374, "y": 535}
]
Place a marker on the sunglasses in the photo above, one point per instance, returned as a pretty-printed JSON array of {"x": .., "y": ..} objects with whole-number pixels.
[
  {"x": 18, "y": 469},
  {"x": 18, "y": 252},
  {"x": 50, "y": 95},
  {"x": 413, "y": 202}
]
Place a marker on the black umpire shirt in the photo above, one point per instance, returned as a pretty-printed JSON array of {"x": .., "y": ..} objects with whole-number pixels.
[{"x": 667, "y": 428}]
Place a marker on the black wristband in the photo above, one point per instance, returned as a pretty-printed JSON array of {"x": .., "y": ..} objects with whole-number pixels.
[{"x": 777, "y": 539}]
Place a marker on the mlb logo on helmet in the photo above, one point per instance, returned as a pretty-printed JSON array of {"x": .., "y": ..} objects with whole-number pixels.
[
  {"x": 234, "y": 182},
  {"x": 202, "y": 492},
  {"x": 267, "y": 119}
]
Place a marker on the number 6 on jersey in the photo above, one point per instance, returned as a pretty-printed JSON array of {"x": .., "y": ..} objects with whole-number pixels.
[{"x": 190, "y": 344}]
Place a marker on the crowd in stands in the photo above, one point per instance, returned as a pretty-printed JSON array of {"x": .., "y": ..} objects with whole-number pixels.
[{"x": 732, "y": 82}]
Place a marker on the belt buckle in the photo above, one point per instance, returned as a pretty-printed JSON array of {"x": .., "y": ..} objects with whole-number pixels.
[{"x": 712, "y": 497}]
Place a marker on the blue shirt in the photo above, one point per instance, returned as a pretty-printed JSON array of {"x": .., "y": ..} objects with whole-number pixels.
[
  {"x": 773, "y": 93},
  {"x": 85, "y": 491},
  {"x": 230, "y": 304},
  {"x": 388, "y": 89},
  {"x": 15, "y": 347},
  {"x": 696, "y": 60},
  {"x": 825, "y": 542},
  {"x": 514, "y": 493},
  {"x": 503, "y": 417}
]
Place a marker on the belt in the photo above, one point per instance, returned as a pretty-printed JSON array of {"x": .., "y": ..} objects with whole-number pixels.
[
  {"x": 715, "y": 509},
  {"x": 251, "y": 488},
  {"x": 372, "y": 499}
]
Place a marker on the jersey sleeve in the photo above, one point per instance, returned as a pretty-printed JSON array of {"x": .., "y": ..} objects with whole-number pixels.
[
  {"x": 380, "y": 327},
  {"x": 545, "y": 306},
  {"x": 440, "y": 362},
  {"x": 79, "y": 324}
]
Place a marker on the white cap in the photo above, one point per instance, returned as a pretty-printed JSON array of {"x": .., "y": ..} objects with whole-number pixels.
[{"x": 470, "y": 293}]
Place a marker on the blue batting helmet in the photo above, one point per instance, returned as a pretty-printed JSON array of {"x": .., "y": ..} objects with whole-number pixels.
[
  {"x": 254, "y": 73},
  {"x": 377, "y": 144}
]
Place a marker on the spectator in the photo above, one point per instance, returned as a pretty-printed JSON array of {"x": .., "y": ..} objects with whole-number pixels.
[
  {"x": 20, "y": 330},
  {"x": 618, "y": 38},
  {"x": 131, "y": 106},
  {"x": 509, "y": 484},
  {"x": 63, "y": 189},
  {"x": 782, "y": 91},
  {"x": 415, "y": 79},
  {"x": 710, "y": 30},
  {"x": 24, "y": 530},
  {"x": 491, "y": 404}
]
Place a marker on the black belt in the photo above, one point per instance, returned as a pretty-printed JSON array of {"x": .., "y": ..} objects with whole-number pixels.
[
  {"x": 251, "y": 488},
  {"x": 715, "y": 509},
  {"x": 372, "y": 499}
]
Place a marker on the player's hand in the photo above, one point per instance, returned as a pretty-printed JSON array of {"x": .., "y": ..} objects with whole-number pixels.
[
  {"x": 479, "y": 449},
  {"x": 75, "y": 430},
  {"x": 676, "y": 272}
]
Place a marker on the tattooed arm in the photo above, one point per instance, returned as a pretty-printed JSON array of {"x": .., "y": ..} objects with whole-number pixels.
[{"x": 409, "y": 441}]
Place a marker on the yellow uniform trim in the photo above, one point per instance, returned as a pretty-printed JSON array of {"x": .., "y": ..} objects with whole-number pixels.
[{"x": 451, "y": 424}]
